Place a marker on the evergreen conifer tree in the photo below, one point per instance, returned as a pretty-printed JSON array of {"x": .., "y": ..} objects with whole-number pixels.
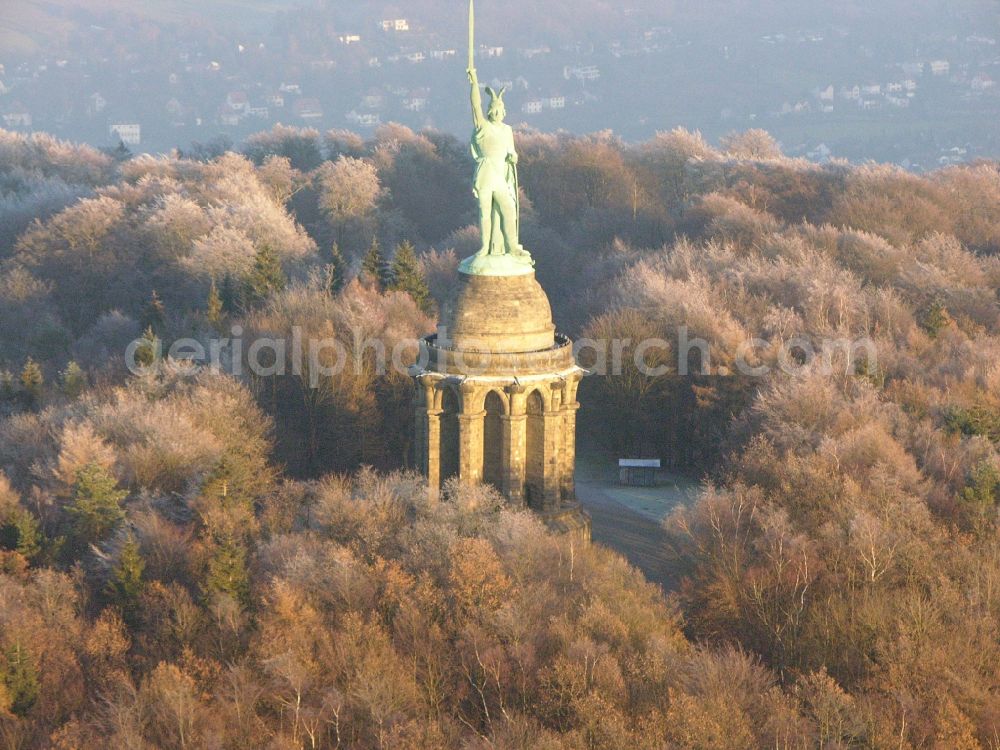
[
  {"x": 126, "y": 584},
  {"x": 96, "y": 507},
  {"x": 229, "y": 295},
  {"x": 336, "y": 271},
  {"x": 265, "y": 278},
  {"x": 978, "y": 500},
  {"x": 19, "y": 531},
  {"x": 227, "y": 568},
  {"x": 74, "y": 380},
  {"x": 20, "y": 679},
  {"x": 373, "y": 267},
  {"x": 935, "y": 318},
  {"x": 155, "y": 314},
  {"x": 408, "y": 276},
  {"x": 148, "y": 351},
  {"x": 214, "y": 306},
  {"x": 32, "y": 380}
]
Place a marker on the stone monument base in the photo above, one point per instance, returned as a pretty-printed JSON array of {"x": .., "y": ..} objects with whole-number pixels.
[{"x": 498, "y": 265}]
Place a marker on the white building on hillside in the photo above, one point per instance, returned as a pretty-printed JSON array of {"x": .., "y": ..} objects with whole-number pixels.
[{"x": 129, "y": 133}]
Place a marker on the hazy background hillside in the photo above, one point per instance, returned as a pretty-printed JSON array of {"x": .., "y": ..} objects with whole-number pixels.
[{"x": 927, "y": 74}]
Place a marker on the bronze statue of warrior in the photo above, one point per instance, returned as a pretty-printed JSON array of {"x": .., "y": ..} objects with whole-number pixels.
[{"x": 496, "y": 184}]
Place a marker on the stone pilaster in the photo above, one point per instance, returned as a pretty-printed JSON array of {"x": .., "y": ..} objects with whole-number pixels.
[
  {"x": 568, "y": 485},
  {"x": 432, "y": 452},
  {"x": 552, "y": 445}
]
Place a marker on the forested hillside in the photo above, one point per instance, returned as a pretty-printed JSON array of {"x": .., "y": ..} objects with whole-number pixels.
[{"x": 200, "y": 558}]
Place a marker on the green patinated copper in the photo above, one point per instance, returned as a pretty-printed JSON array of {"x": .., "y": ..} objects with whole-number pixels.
[{"x": 495, "y": 185}]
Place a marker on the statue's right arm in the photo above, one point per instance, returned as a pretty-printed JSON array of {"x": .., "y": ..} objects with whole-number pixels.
[{"x": 478, "y": 118}]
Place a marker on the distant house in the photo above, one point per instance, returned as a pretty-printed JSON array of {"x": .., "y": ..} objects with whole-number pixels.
[
  {"x": 532, "y": 107},
  {"x": 365, "y": 119},
  {"x": 238, "y": 101},
  {"x": 96, "y": 104},
  {"x": 416, "y": 101},
  {"x": 416, "y": 57},
  {"x": 872, "y": 89},
  {"x": 799, "y": 107},
  {"x": 582, "y": 72},
  {"x": 443, "y": 54},
  {"x": 940, "y": 67},
  {"x": 825, "y": 95},
  {"x": 638, "y": 472},
  {"x": 308, "y": 108},
  {"x": 129, "y": 133},
  {"x": 953, "y": 155},
  {"x": 533, "y": 52},
  {"x": 374, "y": 99},
  {"x": 228, "y": 117},
  {"x": 290, "y": 88},
  {"x": 395, "y": 24},
  {"x": 491, "y": 51},
  {"x": 17, "y": 117},
  {"x": 277, "y": 101},
  {"x": 982, "y": 82},
  {"x": 913, "y": 68},
  {"x": 260, "y": 112},
  {"x": 557, "y": 102},
  {"x": 350, "y": 39}
]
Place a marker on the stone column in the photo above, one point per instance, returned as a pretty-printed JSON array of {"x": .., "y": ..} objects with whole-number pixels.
[
  {"x": 470, "y": 447},
  {"x": 470, "y": 436},
  {"x": 552, "y": 476},
  {"x": 515, "y": 426},
  {"x": 514, "y": 430},
  {"x": 432, "y": 454}
]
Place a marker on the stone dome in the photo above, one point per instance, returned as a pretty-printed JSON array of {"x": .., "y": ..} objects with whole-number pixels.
[{"x": 499, "y": 314}]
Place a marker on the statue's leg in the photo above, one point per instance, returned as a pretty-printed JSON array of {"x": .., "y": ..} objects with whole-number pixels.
[
  {"x": 496, "y": 234},
  {"x": 485, "y": 222},
  {"x": 507, "y": 211}
]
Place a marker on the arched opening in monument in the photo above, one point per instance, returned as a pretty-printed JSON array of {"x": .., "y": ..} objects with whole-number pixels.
[
  {"x": 449, "y": 434},
  {"x": 534, "y": 452},
  {"x": 493, "y": 441}
]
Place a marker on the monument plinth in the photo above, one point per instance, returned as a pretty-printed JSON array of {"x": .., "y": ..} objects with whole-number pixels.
[
  {"x": 496, "y": 399},
  {"x": 496, "y": 386}
]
